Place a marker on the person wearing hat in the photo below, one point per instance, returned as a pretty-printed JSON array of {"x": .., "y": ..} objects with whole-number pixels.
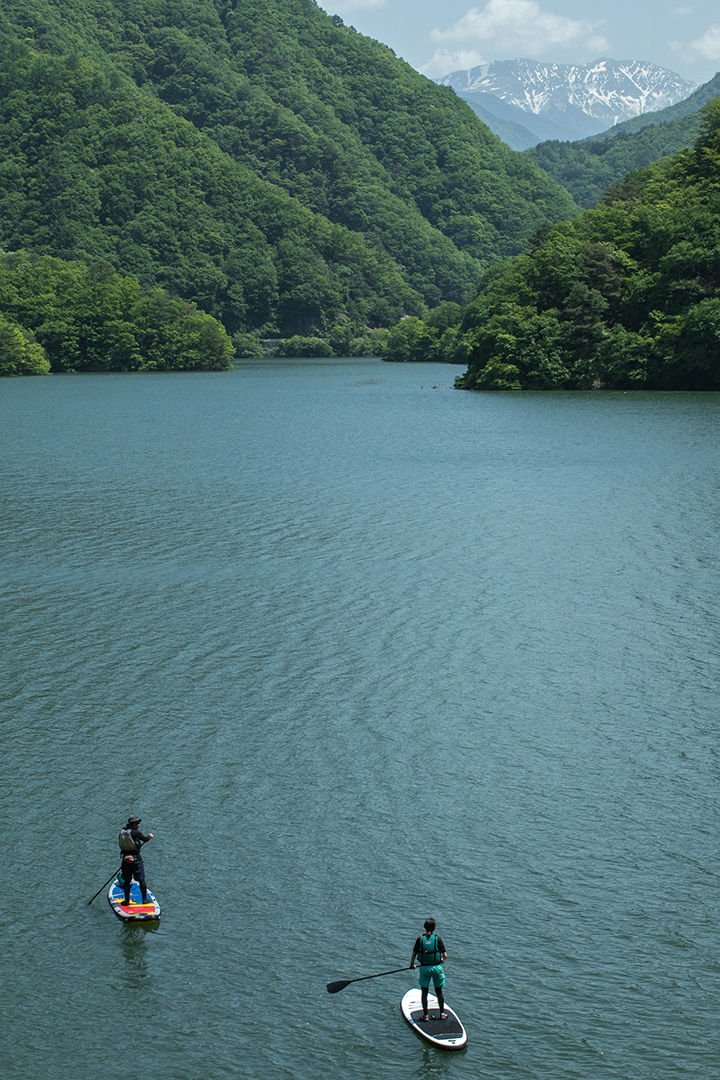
[
  {"x": 131, "y": 841},
  {"x": 430, "y": 950}
]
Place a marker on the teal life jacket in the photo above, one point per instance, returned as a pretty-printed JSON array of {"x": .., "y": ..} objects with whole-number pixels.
[{"x": 429, "y": 954}]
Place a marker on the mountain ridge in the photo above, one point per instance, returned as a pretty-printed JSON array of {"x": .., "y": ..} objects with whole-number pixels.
[
  {"x": 625, "y": 297},
  {"x": 580, "y": 100},
  {"x": 328, "y": 156},
  {"x": 589, "y": 167}
]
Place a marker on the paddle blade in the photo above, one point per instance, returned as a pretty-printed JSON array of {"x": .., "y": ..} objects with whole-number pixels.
[{"x": 334, "y": 988}]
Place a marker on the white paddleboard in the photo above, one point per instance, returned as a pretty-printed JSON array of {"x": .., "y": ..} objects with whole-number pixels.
[{"x": 448, "y": 1034}]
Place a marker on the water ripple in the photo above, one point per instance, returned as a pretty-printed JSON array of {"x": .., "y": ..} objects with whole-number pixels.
[{"x": 359, "y": 651}]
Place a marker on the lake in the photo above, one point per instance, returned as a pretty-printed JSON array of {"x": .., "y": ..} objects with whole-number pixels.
[{"x": 359, "y": 649}]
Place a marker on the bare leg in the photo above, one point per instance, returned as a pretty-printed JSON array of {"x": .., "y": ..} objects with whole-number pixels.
[
  {"x": 441, "y": 1001},
  {"x": 424, "y": 999}
]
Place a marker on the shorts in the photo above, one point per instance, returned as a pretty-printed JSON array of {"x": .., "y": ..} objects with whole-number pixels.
[
  {"x": 435, "y": 973},
  {"x": 134, "y": 869}
]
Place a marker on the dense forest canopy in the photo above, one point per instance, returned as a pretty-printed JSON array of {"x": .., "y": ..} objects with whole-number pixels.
[
  {"x": 625, "y": 296},
  {"x": 587, "y": 168},
  {"x": 63, "y": 316},
  {"x": 258, "y": 158},
  {"x": 93, "y": 169}
]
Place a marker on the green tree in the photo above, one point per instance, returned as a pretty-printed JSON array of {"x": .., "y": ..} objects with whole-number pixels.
[
  {"x": 259, "y": 159},
  {"x": 627, "y": 295},
  {"x": 304, "y": 346},
  {"x": 411, "y": 340},
  {"x": 20, "y": 354},
  {"x": 694, "y": 361},
  {"x": 88, "y": 318}
]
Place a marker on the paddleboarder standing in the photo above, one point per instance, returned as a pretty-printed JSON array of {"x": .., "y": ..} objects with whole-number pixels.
[
  {"x": 131, "y": 841},
  {"x": 430, "y": 951}
]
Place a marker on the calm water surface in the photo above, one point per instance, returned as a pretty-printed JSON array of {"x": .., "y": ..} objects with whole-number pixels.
[{"x": 359, "y": 648}]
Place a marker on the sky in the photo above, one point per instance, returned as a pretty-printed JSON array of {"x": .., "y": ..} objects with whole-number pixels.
[{"x": 440, "y": 36}]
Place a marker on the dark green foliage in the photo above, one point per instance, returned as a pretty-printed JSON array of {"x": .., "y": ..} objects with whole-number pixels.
[
  {"x": 20, "y": 354},
  {"x": 412, "y": 340},
  {"x": 626, "y": 296},
  {"x": 587, "y": 168},
  {"x": 88, "y": 318},
  {"x": 258, "y": 158},
  {"x": 247, "y": 346},
  {"x": 93, "y": 170},
  {"x": 304, "y": 346}
]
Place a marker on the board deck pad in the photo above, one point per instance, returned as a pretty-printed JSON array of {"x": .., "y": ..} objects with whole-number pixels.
[
  {"x": 135, "y": 911},
  {"x": 448, "y": 1034}
]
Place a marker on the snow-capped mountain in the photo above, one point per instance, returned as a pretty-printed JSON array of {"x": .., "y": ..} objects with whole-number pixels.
[{"x": 568, "y": 101}]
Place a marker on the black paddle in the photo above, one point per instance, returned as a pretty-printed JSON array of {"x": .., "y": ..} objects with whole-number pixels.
[
  {"x": 335, "y": 987},
  {"x": 105, "y": 885}
]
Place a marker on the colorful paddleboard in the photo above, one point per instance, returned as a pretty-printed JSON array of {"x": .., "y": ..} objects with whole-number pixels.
[
  {"x": 135, "y": 911},
  {"x": 448, "y": 1034}
]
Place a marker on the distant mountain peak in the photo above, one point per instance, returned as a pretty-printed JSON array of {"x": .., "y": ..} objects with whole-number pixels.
[{"x": 581, "y": 99}]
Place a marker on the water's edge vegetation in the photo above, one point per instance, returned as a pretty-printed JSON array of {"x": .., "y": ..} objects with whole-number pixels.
[
  {"x": 180, "y": 187},
  {"x": 288, "y": 176},
  {"x": 626, "y": 296}
]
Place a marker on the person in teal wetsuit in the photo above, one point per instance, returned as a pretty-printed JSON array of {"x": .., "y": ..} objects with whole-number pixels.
[{"x": 430, "y": 951}]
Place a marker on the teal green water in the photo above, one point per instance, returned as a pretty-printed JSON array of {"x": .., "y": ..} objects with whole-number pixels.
[{"x": 359, "y": 648}]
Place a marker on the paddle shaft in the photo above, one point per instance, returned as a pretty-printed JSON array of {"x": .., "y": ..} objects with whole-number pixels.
[
  {"x": 110, "y": 878},
  {"x": 336, "y": 987},
  {"x": 106, "y": 884}
]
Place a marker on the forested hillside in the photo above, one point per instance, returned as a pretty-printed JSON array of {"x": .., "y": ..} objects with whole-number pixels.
[
  {"x": 94, "y": 169},
  {"x": 258, "y": 158},
  {"x": 587, "y": 168},
  {"x": 625, "y": 296},
  {"x": 63, "y": 316}
]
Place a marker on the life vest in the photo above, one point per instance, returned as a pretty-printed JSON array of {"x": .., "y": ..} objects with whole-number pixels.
[
  {"x": 126, "y": 842},
  {"x": 430, "y": 954}
]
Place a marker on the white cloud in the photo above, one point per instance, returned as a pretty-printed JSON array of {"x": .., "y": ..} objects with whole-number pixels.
[
  {"x": 707, "y": 47},
  {"x": 445, "y": 60},
  {"x": 346, "y": 7},
  {"x": 521, "y": 28}
]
